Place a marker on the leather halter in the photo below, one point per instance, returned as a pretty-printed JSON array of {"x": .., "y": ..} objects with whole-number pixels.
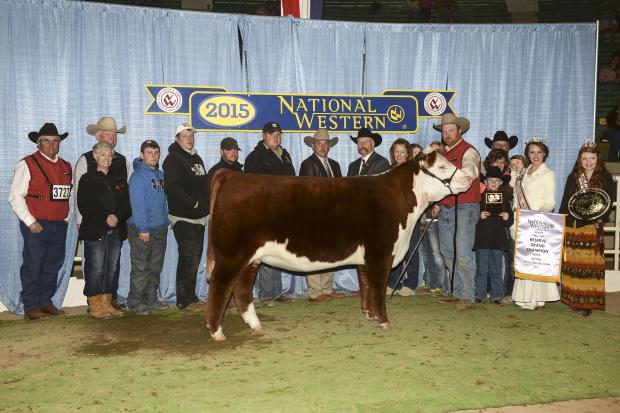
[{"x": 446, "y": 182}]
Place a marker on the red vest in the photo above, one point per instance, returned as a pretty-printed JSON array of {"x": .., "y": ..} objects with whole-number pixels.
[
  {"x": 41, "y": 191},
  {"x": 455, "y": 156}
]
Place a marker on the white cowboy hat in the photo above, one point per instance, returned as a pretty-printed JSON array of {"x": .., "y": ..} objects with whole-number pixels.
[
  {"x": 320, "y": 135},
  {"x": 451, "y": 119},
  {"x": 107, "y": 124}
]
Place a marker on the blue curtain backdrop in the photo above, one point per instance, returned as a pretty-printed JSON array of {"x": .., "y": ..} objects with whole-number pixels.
[{"x": 70, "y": 63}]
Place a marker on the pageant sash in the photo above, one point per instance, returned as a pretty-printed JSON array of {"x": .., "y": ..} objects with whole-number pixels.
[{"x": 538, "y": 245}]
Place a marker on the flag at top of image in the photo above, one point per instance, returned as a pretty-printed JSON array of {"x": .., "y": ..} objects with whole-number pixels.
[{"x": 304, "y": 9}]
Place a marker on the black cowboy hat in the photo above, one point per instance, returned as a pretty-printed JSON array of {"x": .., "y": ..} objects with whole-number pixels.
[
  {"x": 367, "y": 133},
  {"x": 495, "y": 172},
  {"x": 500, "y": 135},
  {"x": 49, "y": 129}
]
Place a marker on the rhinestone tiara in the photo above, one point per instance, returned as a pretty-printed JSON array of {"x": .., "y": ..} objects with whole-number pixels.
[{"x": 536, "y": 139}]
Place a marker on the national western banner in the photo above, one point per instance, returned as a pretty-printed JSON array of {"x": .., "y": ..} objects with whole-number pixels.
[
  {"x": 539, "y": 242},
  {"x": 215, "y": 109}
]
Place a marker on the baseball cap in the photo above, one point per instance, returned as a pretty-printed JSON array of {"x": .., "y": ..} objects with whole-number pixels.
[
  {"x": 149, "y": 143},
  {"x": 229, "y": 144},
  {"x": 271, "y": 127},
  {"x": 184, "y": 126}
]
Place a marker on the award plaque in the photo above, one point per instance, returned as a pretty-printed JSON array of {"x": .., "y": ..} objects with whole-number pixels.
[
  {"x": 494, "y": 202},
  {"x": 589, "y": 204}
]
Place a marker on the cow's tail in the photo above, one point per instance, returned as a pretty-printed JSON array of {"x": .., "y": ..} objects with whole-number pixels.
[{"x": 215, "y": 186}]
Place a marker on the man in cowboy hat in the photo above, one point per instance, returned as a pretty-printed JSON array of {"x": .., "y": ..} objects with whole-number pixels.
[
  {"x": 105, "y": 130},
  {"x": 269, "y": 157},
  {"x": 371, "y": 162},
  {"x": 320, "y": 286},
  {"x": 465, "y": 157},
  {"x": 39, "y": 197},
  {"x": 501, "y": 141}
]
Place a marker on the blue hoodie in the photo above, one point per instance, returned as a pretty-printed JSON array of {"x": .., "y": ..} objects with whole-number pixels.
[{"x": 148, "y": 199}]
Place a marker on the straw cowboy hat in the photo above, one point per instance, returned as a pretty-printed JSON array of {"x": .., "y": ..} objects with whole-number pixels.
[
  {"x": 500, "y": 135},
  {"x": 451, "y": 119},
  {"x": 367, "y": 133},
  {"x": 320, "y": 135},
  {"x": 48, "y": 129},
  {"x": 107, "y": 124}
]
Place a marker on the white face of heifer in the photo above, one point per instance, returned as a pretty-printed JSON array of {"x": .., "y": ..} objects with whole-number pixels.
[{"x": 431, "y": 187}]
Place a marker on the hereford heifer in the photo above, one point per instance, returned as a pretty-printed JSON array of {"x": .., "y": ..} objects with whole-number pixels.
[{"x": 309, "y": 224}]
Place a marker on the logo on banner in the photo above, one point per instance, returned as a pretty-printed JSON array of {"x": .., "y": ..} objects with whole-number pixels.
[
  {"x": 435, "y": 104},
  {"x": 169, "y": 99},
  {"x": 216, "y": 109}
]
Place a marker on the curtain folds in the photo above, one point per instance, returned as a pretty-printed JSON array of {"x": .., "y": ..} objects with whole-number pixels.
[{"x": 71, "y": 62}]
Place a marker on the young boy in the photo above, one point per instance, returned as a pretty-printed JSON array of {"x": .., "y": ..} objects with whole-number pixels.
[
  {"x": 148, "y": 229},
  {"x": 491, "y": 241}
]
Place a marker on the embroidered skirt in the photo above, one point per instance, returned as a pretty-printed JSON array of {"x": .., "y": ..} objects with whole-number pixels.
[{"x": 583, "y": 270}]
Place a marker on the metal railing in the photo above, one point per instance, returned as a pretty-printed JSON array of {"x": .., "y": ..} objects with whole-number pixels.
[{"x": 615, "y": 229}]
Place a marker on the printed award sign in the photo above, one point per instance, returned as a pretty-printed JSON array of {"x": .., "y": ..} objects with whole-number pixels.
[{"x": 539, "y": 242}]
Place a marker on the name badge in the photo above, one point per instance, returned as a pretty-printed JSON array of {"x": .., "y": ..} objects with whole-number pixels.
[{"x": 61, "y": 192}]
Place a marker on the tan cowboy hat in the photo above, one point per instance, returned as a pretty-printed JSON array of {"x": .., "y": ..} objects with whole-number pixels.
[
  {"x": 107, "y": 124},
  {"x": 451, "y": 119},
  {"x": 320, "y": 135}
]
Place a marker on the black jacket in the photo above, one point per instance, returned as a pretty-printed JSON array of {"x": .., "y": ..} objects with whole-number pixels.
[
  {"x": 264, "y": 161},
  {"x": 222, "y": 164},
  {"x": 376, "y": 165},
  {"x": 312, "y": 166},
  {"x": 491, "y": 233},
  {"x": 570, "y": 188},
  {"x": 98, "y": 197},
  {"x": 185, "y": 183}
]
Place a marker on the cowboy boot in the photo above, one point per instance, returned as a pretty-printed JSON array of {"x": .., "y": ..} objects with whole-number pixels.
[
  {"x": 106, "y": 302},
  {"x": 95, "y": 309}
]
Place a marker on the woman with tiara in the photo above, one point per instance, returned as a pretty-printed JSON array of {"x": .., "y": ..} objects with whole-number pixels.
[
  {"x": 535, "y": 190},
  {"x": 583, "y": 267}
]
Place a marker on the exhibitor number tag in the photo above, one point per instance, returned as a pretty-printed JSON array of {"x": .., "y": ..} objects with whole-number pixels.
[{"x": 61, "y": 192}]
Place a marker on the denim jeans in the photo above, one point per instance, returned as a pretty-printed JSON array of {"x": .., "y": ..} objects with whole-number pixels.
[
  {"x": 489, "y": 264},
  {"x": 269, "y": 283},
  {"x": 509, "y": 270},
  {"x": 465, "y": 268},
  {"x": 147, "y": 261},
  {"x": 190, "y": 239},
  {"x": 435, "y": 273},
  {"x": 43, "y": 256},
  {"x": 413, "y": 268},
  {"x": 101, "y": 258}
]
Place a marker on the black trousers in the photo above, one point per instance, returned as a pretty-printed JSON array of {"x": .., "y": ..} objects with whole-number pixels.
[{"x": 190, "y": 239}]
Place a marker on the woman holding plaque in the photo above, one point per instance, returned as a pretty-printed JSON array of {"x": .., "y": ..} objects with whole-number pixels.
[
  {"x": 534, "y": 190},
  {"x": 586, "y": 200}
]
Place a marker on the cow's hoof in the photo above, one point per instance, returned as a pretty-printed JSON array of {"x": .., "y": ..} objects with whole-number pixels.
[
  {"x": 258, "y": 329},
  {"x": 218, "y": 335},
  {"x": 368, "y": 316},
  {"x": 386, "y": 326}
]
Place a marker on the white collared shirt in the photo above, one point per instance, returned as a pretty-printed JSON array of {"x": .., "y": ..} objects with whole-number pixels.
[
  {"x": 471, "y": 161},
  {"x": 325, "y": 162},
  {"x": 19, "y": 190},
  {"x": 364, "y": 160}
]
